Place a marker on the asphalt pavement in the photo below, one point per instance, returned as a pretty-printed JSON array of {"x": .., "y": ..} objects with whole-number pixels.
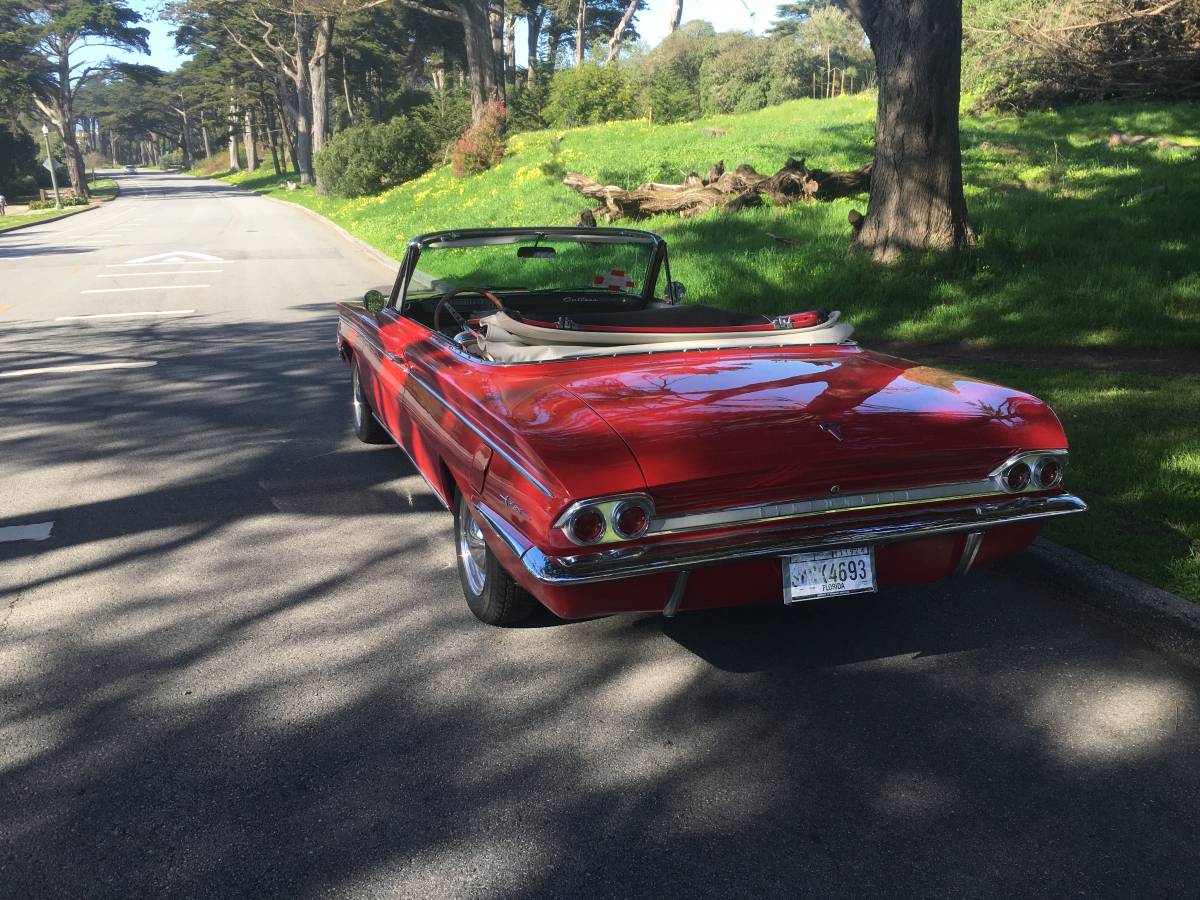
[{"x": 240, "y": 663}]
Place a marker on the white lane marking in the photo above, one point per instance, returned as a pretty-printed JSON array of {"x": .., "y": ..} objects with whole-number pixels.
[
  {"x": 177, "y": 256},
  {"x": 165, "y": 312},
  {"x": 154, "y": 287},
  {"x": 157, "y": 273},
  {"x": 38, "y": 531},
  {"x": 80, "y": 367},
  {"x": 178, "y": 262}
]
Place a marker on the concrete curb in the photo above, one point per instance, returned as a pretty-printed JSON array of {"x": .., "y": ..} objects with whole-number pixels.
[{"x": 1165, "y": 621}]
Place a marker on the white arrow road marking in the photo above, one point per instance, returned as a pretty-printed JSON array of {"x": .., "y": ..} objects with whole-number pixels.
[
  {"x": 152, "y": 287},
  {"x": 158, "y": 273},
  {"x": 177, "y": 256},
  {"x": 177, "y": 262},
  {"x": 37, "y": 532},
  {"x": 80, "y": 367},
  {"x": 165, "y": 312}
]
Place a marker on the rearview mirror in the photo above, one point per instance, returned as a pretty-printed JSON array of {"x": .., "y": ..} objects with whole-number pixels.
[
  {"x": 374, "y": 300},
  {"x": 536, "y": 252},
  {"x": 676, "y": 292}
]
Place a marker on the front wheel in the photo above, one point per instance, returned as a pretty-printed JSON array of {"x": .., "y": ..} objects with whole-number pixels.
[
  {"x": 492, "y": 595},
  {"x": 366, "y": 428}
]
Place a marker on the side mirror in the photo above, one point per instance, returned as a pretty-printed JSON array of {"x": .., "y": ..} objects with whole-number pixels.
[
  {"x": 374, "y": 300},
  {"x": 676, "y": 292}
]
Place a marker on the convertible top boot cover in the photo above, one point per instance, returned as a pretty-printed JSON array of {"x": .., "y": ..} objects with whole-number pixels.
[{"x": 508, "y": 340}]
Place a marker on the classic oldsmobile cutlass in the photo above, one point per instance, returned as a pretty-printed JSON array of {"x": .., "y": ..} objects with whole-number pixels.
[{"x": 606, "y": 448}]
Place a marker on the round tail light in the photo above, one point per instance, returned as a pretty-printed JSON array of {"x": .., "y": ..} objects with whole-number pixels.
[
  {"x": 630, "y": 520},
  {"x": 587, "y": 526},
  {"x": 1047, "y": 473},
  {"x": 1016, "y": 477}
]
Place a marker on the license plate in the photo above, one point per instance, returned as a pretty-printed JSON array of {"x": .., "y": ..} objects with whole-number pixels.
[{"x": 828, "y": 573}]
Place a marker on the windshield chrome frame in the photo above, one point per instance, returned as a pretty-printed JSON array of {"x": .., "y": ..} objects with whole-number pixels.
[{"x": 480, "y": 237}]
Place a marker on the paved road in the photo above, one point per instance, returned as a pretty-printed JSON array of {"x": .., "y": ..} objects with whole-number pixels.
[{"x": 241, "y": 666}]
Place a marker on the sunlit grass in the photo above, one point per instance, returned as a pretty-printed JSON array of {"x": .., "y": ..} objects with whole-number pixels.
[{"x": 14, "y": 221}]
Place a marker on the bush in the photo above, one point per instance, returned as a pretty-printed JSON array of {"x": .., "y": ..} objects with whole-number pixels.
[
  {"x": 371, "y": 158},
  {"x": 447, "y": 115},
  {"x": 589, "y": 94},
  {"x": 69, "y": 200},
  {"x": 481, "y": 146},
  {"x": 672, "y": 98}
]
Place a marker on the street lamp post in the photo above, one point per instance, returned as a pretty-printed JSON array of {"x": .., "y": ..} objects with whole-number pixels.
[{"x": 50, "y": 166}]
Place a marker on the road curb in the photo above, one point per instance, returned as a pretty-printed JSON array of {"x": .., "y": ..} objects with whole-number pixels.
[{"x": 1166, "y": 621}]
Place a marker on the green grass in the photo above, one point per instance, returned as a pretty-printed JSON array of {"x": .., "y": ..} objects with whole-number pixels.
[
  {"x": 103, "y": 188},
  {"x": 1081, "y": 246},
  {"x": 12, "y": 221}
]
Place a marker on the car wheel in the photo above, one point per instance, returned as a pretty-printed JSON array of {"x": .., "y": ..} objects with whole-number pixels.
[
  {"x": 366, "y": 428},
  {"x": 492, "y": 595}
]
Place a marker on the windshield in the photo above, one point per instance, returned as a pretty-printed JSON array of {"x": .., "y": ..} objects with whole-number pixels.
[{"x": 534, "y": 264}]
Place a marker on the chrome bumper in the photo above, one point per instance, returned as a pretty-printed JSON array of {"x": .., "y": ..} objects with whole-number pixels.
[{"x": 670, "y": 556}]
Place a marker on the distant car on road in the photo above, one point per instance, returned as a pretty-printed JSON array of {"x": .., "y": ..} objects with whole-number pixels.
[
  {"x": 599, "y": 442},
  {"x": 131, "y": 170}
]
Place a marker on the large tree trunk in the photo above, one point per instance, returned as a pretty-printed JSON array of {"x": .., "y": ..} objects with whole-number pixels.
[
  {"x": 510, "y": 51},
  {"x": 496, "y": 26},
  {"x": 614, "y": 45},
  {"x": 554, "y": 39},
  {"x": 318, "y": 67},
  {"x": 676, "y": 14},
  {"x": 580, "y": 27},
  {"x": 186, "y": 143},
  {"x": 481, "y": 64},
  {"x": 916, "y": 187},
  {"x": 534, "y": 20},
  {"x": 235, "y": 163},
  {"x": 248, "y": 134},
  {"x": 204, "y": 134}
]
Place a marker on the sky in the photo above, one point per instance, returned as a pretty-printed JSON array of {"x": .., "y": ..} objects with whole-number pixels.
[{"x": 652, "y": 21}]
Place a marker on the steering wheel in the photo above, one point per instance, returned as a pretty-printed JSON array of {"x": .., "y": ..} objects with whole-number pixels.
[{"x": 454, "y": 313}]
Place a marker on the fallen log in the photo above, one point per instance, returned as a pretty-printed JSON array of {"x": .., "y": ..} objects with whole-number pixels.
[
  {"x": 719, "y": 189},
  {"x": 1124, "y": 140}
]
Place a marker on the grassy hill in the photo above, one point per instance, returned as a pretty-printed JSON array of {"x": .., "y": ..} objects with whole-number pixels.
[
  {"x": 1080, "y": 244},
  {"x": 1085, "y": 287}
]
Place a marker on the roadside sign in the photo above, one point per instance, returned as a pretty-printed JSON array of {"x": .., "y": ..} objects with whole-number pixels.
[{"x": 50, "y": 163}]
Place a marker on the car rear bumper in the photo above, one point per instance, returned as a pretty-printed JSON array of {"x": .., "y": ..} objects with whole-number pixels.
[{"x": 693, "y": 552}]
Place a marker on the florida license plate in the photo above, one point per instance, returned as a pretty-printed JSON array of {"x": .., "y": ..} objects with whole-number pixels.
[{"x": 828, "y": 573}]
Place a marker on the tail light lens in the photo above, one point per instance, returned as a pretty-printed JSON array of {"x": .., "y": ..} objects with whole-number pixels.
[
  {"x": 587, "y": 525},
  {"x": 1016, "y": 477},
  {"x": 631, "y": 519},
  {"x": 1047, "y": 473}
]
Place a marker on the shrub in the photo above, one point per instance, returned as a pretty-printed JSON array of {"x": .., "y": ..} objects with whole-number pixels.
[
  {"x": 69, "y": 200},
  {"x": 370, "y": 158},
  {"x": 589, "y": 94},
  {"x": 482, "y": 145},
  {"x": 447, "y": 115},
  {"x": 525, "y": 105},
  {"x": 672, "y": 98}
]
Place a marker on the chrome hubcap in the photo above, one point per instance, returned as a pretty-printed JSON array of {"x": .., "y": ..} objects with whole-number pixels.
[
  {"x": 472, "y": 551},
  {"x": 357, "y": 404}
]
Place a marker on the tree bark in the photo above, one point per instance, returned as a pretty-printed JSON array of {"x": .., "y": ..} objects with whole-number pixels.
[
  {"x": 580, "y": 27},
  {"x": 235, "y": 163},
  {"x": 204, "y": 134},
  {"x": 318, "y": 68},
  {"x": 248, "y": 133},
  {"x": 916, "y": 200},
  {"x": 510, "y": 51},
  {"x": 534, "y": 20},
  {"x": 481, "y": 65},
  {"x": 676, "y": 14},
  {"x": 614, "y": 45},
  {"x": 496, "y": 27}
]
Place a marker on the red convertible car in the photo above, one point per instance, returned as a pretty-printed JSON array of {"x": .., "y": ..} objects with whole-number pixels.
[{"x": 607, "y": 448}]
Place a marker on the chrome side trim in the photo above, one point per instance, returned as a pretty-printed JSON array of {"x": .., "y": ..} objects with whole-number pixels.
[
  {"x": 483, "y": 436},
  {"x": 970, "y": 550},
  {"x": 817, "y": 506},
  {"x": 668, "y": 556},
  {"x": 505, "y": 531}
]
